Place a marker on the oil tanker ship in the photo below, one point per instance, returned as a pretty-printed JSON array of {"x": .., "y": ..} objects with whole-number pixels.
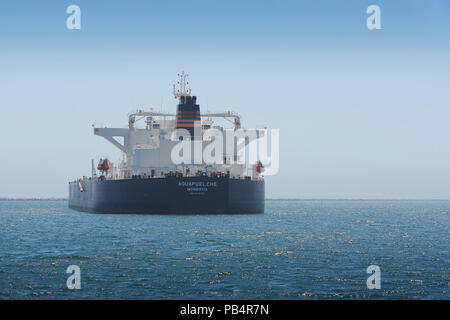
[{"x": 151, "y": 179}]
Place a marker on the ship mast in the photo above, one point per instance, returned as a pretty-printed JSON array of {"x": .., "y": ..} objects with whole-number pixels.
[{"x": 181, "y": 88}]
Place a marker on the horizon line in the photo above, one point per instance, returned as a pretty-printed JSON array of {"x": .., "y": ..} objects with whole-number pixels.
[{"x": 271, "y": 199}]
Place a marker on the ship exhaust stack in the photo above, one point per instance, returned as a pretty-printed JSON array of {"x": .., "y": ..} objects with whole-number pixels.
[{"x": 188, "y": 111}]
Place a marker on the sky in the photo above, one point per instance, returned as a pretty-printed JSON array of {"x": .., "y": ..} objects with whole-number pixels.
[{"x": 361, "y": 113}]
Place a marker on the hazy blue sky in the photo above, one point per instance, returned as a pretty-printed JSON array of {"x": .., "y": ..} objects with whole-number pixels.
[{"x": 362, "y": 114}]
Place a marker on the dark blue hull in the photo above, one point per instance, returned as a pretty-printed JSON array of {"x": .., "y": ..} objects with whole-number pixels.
[{"x": 171, "y": 195}]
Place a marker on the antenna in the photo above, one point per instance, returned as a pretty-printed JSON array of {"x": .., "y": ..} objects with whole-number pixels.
[{"x": 181, "y": 89}]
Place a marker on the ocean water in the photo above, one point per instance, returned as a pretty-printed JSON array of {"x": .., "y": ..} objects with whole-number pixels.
[{"x": 296, "y": 250}]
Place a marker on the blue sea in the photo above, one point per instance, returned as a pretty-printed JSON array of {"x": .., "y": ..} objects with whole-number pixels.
[{"x": 305, "y": 249}]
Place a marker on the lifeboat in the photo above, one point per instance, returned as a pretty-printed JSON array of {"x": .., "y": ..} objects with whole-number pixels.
[
  {"x": 103, "y": 165},
  {"x": 259, "y": 167}
]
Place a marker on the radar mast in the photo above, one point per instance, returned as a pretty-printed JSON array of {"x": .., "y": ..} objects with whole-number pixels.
[{"x": 181, "y": 89}]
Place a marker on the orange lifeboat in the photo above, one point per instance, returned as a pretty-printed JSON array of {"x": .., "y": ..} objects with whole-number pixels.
[
  {"x": 259, "y": 167},
  {"x": 103, "y": 165}
]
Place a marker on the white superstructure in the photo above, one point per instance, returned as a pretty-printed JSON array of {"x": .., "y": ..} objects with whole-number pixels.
[{"x": 149, "y": 150}]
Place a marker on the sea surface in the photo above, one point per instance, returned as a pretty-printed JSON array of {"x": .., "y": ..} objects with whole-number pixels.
[{"x": 305, "y": 249}]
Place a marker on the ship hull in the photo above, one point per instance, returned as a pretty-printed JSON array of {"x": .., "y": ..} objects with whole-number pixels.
[{"x": 171, "y": 195}]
